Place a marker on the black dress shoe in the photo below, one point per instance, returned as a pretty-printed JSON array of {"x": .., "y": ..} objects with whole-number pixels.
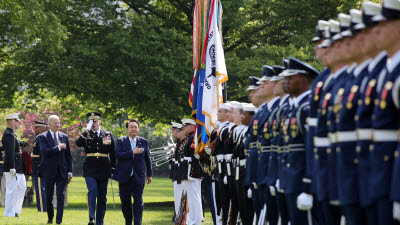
[
  {"x": 50, "y": 221},
  {"x": 16, "y": 215},
  {"x": 91, "y": 222}
]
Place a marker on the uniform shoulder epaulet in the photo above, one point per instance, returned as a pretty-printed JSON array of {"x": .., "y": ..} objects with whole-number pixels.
[{"x": 108, "y": 132}]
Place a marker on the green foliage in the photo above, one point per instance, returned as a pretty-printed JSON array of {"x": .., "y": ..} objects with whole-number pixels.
[{"x": 135, "y": 57}]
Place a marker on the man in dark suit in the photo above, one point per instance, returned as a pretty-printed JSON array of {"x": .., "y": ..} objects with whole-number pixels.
[
  {"x": 56, "y": 166},
  {"x": 133, "y": 166}
]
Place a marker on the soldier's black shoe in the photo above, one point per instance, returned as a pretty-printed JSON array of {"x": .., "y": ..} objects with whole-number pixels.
[
  {"x": 91, "y": 222},
  {"x": 50, "y": 221},
  {"x": 16, "y": 215}
]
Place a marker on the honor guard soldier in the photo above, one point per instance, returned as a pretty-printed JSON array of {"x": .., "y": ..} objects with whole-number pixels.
[
  {"x": 273, "y": 161},
  {"x": 15, "y": 179},
  {"x": 348, "y": 95},
  {"x": 252, "y": 147},
  {"x": 385, "y": 122},
  {"x": 175, "y": 168},
  {"x": 193, "y": 174},
  {"x": 39, "y": 180},
  {"x": 276, "y": 159},
  {"x": 98, "y": 166},
  {"x": 298, "y": 79},
  {"x": 264, "y": 151},
  {"x": 223, "y": 117}
]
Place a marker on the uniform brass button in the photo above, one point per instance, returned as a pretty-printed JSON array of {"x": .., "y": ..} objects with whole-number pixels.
[
  {"x": 330, "y": 108},
  {"x": 315, "y": 150},
  {"x": 356, "y": 118},
  {"x": 376, "y": 101},
  {"x": 337, "y": 149},
  {"x": 288, "y": 165},
  {"x": 371, "y": 148},
  {"x": 386, "y": 158},
  {"x": 355, "y": 161},
  {"x": 328, "y": 123},
  {"x": 316, "y": 157},
  {"x": 328, "y": 150},
  {"x": 359, "y": 101},
  {"x": 396, "y": 154},
  {"x": 358, "y": 149}
]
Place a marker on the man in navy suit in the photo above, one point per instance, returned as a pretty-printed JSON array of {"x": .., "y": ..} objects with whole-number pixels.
[
  {"x": 133, "y": 166},
  {"x": 56, "y": 166}
]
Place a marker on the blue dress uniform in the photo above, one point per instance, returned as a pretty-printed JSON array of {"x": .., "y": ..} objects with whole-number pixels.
[
  {"x": 295, "y": 164},
  {"x": 324, "y": 164},
  {"x": 347, "y": 162},
  {"x": 395, "y": 188},
  {"x": 385, "y": 140},
  {"x": 97, "y": 168},
  {"x": 251, "y": 149},
  {"x": 39, "y": 180},
  {"x": 264, "y": 138},
  {"x": 364, "y": 131},
  {"x": 276, "y": 173}
]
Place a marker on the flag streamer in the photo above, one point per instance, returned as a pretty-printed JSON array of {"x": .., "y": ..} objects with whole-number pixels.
[{"x": 206, "y": 92}]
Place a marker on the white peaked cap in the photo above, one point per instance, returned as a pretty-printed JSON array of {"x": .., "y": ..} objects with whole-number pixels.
[
  {"x": 322, "y": 24},
  {"x": 356, "y": 16},
  {"x": 334, "y": 26},
  {"x": 225, "y": 106},
  {"x": 13, "y": 116},
  {"x": 188, "y": 121},
  {"x": 249, "y": 108},
  {"x": 344, "y": 19}
]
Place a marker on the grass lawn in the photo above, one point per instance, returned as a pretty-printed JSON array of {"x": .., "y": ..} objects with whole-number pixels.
[{"x": 160, "y": 190}]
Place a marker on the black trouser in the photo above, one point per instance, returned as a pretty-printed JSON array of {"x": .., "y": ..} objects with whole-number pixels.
[
  {"x": 60, "y": 188},
  {"x": 126, "y": 192}
]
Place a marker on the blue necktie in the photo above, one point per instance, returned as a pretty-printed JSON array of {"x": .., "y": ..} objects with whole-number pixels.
[{"x": 132, "y": 147}]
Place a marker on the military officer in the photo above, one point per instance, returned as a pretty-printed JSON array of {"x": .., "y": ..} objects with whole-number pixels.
[
  {"x": 15, "y": 179},
  {"x": 174, "y": 169},
  {"x": 264, "y": 138},
  {"x": 385, "y": 116},
  {"x": 192, "y": 175},
  {"x": 98, "y": 166},
  {"x": 298, "y": 79},
  {"x": 39, "y": 180}
]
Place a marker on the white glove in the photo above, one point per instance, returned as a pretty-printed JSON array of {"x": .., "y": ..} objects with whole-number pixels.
[
  {"x": 304, "y": 201},
  {"x": 208, "y": 150},
  {"x": 396, "y": 211},
  {"x": 278, "y": 186},
  {"x": 272, "y": 190},
  {"x": 90, "y": 124},
  {"x": 13, "y": 172},
  {"x": 249, "y": 193},
  {"x": 225, "y": 180}
]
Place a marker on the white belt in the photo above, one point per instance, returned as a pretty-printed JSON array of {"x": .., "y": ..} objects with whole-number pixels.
[
  {"x": 312, "y": 121},
  {"x": 385, "y": 135},
  {"x": 296, "y": 150},
  {"x": 253, "y": 144},
  {"x": 346, "y": 136},
  {"x": 228, "y": 157},
  {"x": 321, "y": 142},
  {"x": 332, "y": 137},
  {"x": 266, "y": 149},
  {"x": 189, "y": 159},
  {"x": 242, "y": 162},
  {"x": 296, "y": 145},
  {"x": 364, "y": 134},
  {"x": 220, "y": 157}
]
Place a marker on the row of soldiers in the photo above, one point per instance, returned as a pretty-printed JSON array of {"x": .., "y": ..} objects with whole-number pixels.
[{"x": 321, "y": 146}]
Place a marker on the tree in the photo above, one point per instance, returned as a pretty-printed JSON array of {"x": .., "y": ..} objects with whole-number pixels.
[{"x": 134, "y": 57}]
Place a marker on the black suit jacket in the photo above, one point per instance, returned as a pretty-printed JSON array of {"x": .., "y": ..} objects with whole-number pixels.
[{"x": 54, "y": 161}]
